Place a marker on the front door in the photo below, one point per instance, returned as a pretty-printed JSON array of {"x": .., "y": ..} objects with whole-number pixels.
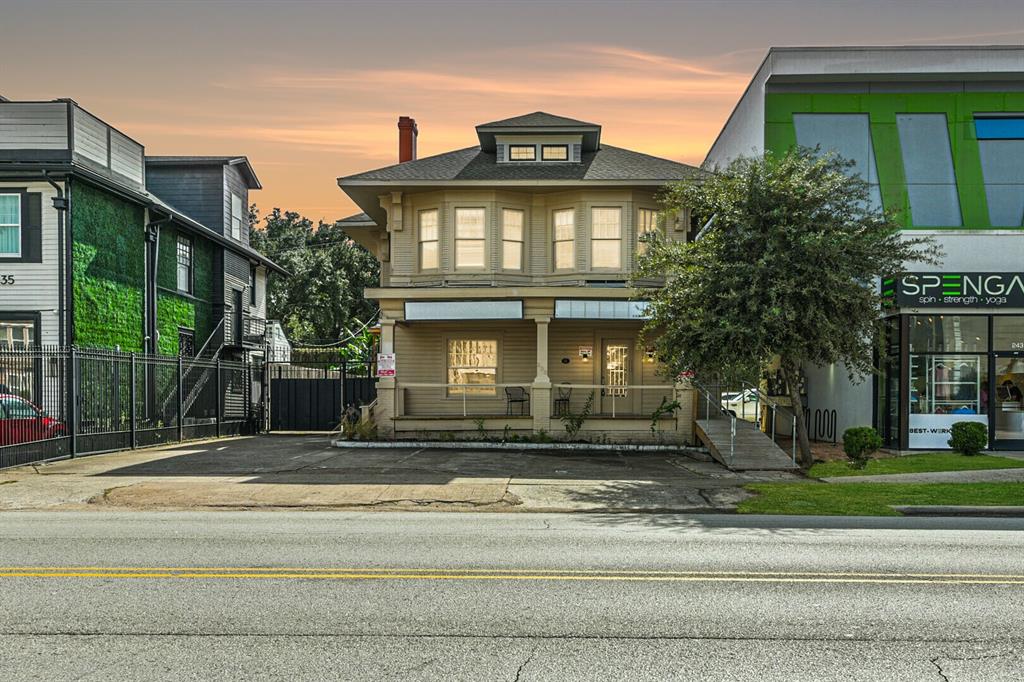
[
  {"x": 1008, "y": 402},
  {"x": 615, "y": 377}
]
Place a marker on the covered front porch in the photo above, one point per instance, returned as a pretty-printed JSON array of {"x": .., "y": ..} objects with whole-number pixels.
[{"x": 551, "y": 368}]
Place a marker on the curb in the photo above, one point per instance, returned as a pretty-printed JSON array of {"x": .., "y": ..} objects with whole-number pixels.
[
  {"x": 959, "y": 510},
  {"x": 561, "y": 447}
]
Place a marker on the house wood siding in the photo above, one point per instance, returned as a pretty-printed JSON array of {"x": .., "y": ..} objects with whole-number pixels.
[
  {"x": 41, "y": 126},
  {"x": 37, "y": 285},
  {"x": 127, "y": 158},
  {"x": 235, "y": 184},
  {"x": 91, "y": 137},
  {"x": 196, "y": 191}
]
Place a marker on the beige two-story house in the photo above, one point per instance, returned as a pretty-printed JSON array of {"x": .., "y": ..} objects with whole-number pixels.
[{"x": 504, "y": 283}]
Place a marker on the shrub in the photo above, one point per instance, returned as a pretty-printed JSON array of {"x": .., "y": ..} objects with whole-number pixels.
[
  {"x": 859, "y": 443},
  {"x": 968, "y": 438}
]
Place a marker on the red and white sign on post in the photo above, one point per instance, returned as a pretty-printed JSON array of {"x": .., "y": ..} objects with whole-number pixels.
[{"x": 385, "y": 364}]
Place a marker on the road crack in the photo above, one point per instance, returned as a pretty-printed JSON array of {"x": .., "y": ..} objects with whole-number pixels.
[
  {"x": 938, "y": 668},
  {"x": 529, "y": 657}
]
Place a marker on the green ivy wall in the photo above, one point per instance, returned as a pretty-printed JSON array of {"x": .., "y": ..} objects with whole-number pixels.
[
  {"x": 959, "y": 107},
  {"x": 108, "y": 269}
]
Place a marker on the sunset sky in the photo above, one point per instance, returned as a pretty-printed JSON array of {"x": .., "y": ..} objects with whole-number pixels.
[{"x": 310, "y": 91}]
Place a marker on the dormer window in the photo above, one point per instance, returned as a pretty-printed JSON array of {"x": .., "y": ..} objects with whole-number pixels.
[
  {"x": 522, "y": 152},
  {"x": 554, "y": 152}
]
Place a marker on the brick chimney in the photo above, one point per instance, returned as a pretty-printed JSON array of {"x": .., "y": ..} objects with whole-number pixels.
[{"x": 407, "y": 134}]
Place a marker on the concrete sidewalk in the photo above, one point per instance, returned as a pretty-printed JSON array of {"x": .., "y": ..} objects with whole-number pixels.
[{"x": 305, "y": 472}]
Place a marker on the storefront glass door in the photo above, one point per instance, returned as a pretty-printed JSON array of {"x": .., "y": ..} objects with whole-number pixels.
[{"x": 1008, "y": 402}]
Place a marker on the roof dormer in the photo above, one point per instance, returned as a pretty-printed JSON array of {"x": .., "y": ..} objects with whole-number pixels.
[{"x": 539, "y": 138}]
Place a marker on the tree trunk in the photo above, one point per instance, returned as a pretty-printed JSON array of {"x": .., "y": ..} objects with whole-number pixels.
[{"x": 791, "y": 376}]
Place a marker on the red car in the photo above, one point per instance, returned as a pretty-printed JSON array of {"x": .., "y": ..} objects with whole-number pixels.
[{"x": 23, "y": 422}]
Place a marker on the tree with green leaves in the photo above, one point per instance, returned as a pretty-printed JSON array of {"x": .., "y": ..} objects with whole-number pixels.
[
  {"x": 322, "y": 302},
  {"x": 785, "y": 266}
]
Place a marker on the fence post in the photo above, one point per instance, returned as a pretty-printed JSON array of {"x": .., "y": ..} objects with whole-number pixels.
[
  {"x": 131, "y": 409},
  {"x": 181, "y": 403},
  {"x": 219, "y": 396},
  {"x": 74, "y": 394}
]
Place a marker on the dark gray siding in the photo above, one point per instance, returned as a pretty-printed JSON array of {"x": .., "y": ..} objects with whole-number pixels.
[
  {"x": 197, "y": 191},
  {"x": 234, "y": 184}
]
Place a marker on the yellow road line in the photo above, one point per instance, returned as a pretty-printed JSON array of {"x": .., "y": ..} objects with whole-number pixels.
[{"x": 457, "y": 575}]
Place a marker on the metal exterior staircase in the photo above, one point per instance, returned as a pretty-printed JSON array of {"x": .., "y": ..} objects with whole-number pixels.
[{"x": 737, "y": 443}]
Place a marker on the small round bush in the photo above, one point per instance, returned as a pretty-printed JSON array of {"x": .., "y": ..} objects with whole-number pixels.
[
  {"x": 968, "y": 438},
  {"x": 859, "y": 443}
]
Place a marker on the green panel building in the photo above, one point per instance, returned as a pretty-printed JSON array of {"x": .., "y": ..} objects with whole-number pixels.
[{"x": 938, "y": 133}]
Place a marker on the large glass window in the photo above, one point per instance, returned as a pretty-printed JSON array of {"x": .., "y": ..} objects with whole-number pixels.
[
  {"x": 606, "y": 238},
  {"x": 1001, "y": 146},
  {"x": 185, "y": 278},
  {"x": 512, "y": 239},
  {"x": 472, "y": 362},
  {"x": 647, "y": 225},
  {"x": 565, "y": 239},
  {"x": 522, "y": 152},
  {"x": 10, "y": 225},
  {"x": 236, "y": 217},
  {"x": 928, "y": 165},
  {"x": 16, "y": 334},
  {"x": 1008, "y": 333},
  {"x": 428, "y": 236},
  {"x": 948, "y": 334},
  {"x": 849, "y": 136},
  {"x": 949, "y": 384},
  {"x": 469, "y": 238}
]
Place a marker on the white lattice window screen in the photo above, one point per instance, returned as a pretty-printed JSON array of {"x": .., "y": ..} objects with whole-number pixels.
[
  {"x": 565, "y": 239},
  {"x": 469, "y": 238},
  {"x": 428, "y": 236},
  {"x": 472, "y": 362},
  {"x": 616, "y": 368},
  {"x": 512, "y": 239},
  {"x": 606, "y": 238}
]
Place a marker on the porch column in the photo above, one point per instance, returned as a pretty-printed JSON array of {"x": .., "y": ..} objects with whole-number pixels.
[
  {"x": 540, "y": 402},
  {"x": 385, "y": 410}
]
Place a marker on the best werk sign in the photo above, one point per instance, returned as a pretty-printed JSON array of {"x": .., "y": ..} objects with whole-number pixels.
[{"x": 964, "y": 289}]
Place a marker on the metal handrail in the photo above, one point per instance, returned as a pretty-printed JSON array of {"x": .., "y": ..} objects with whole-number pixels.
[
  {"x": 775, "y": 406},
  {"x": 717, "y": 400}
]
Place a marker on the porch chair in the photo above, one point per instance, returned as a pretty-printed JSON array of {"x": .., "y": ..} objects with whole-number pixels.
[
  {"x": 562, "y": 401},
  {"x": 516, "y": 394}
]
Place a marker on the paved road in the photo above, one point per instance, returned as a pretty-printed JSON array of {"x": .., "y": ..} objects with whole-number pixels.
[{"x": 367, "y": 596}]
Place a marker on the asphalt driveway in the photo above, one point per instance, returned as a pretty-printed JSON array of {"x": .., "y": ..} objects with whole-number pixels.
[{"x": 306, "y": 472}]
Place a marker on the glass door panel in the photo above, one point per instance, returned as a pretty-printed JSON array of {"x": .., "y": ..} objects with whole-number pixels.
[
  {"x": 616, "y": 372},
  {"x": 1008, "y": 403}
]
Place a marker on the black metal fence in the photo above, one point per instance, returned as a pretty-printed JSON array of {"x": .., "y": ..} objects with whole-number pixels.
[
  {"x": 63, "y": 402},
  {"x": 311, "y": 395}
]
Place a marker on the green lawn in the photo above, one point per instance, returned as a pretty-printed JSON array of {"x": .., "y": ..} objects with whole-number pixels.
[
  {"x": 915, "y": 464},
  {"x": 872, "y": 499}
]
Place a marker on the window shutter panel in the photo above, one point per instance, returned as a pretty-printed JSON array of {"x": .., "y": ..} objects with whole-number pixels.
[{"x": 32, "y": 227}]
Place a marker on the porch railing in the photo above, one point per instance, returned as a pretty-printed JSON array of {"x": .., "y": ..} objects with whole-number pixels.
[{"x": 469, "y": 399}]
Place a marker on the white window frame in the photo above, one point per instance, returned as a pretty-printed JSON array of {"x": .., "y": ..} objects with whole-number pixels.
[
  {"x": 643, "y": 230},
  {"x": 236, "y": 220},
  {"x": 555, "y": 241},
  {"x": 19, "y": 225},
  {"x": 519, "y": 244},
  {"x": 490, "y": 392},
  {"x": 594, "y": 240},
  {"x": 436, "y": 241},
  {"x": 191, "y": 265},
  {"x": 461, "y": 241}
]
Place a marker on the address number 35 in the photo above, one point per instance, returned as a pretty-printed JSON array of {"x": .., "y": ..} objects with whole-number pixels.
[{"x": 6, "y": 279}]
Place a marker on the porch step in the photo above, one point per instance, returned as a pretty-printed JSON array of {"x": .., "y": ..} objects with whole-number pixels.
[{"x": 754, "y": 449}]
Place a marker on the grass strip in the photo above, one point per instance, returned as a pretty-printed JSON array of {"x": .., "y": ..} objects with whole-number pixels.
[{"x": 915, "y": 464}]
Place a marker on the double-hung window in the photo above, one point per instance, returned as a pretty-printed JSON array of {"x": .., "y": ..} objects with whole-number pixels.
[
  {"x": 512, "y": 239},
  {"x": 648, "y": 224},
  {"x": 469, "y": 238},
  {"x": 606, "y": 238},
  {"x": 472, "y": 362},
  {"x": 185, "y": 270},
  {"x": 428, "y": 235},
  {"x": 565, "y": 239},
  {"x": 236, "y": 217},
  {"x": 10, "y": 225}
]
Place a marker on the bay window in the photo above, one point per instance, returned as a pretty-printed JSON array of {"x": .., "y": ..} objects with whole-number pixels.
[
  {"x": 428, "y": 239},
  {"x": 469, "y": 239},
  {"x": 606, "y": 238},
  {"x": 648, "y": 224},
  {"x": 565, "y": 239},
  {"x": 512, "y": 239},
  {"x": 10, "y": 225},
  {"x": 472, "y": 364}
]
